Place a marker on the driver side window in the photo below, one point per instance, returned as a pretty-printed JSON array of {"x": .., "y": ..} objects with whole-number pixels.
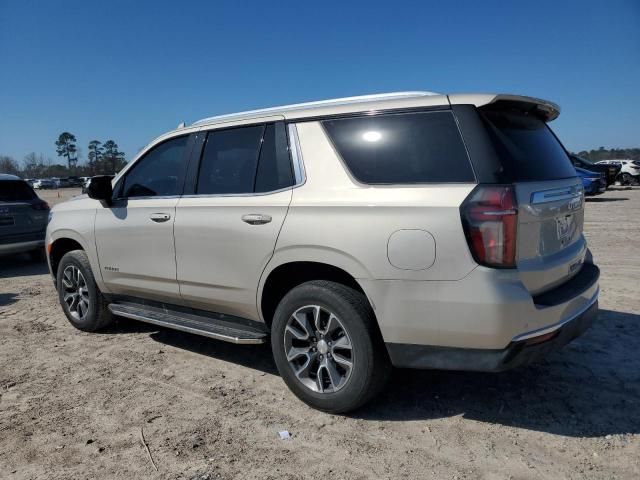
[{"x": 159, "y": 173}]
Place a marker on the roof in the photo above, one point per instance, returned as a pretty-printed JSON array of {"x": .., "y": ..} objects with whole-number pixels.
[
  {"x": 6, "y": 176},
  {"x": 394, "y": 100},
  {"x": 309, "y": 108}
]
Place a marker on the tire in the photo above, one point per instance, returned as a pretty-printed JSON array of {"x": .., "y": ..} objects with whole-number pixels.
[
  {"x": 95, "y": 316},
  {"x": 348, "y": 320},
  {"x": 625, "y": 178}
]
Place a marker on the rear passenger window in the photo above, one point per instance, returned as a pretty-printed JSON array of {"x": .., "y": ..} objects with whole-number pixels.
[
  {"x": 229, "y": 161},
  {"x": 245, "y": 160},
  {"x": 422, "y": 147},
  {"x": 159, "y": 172}
]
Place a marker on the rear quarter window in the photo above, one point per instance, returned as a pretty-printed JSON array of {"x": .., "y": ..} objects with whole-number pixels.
[{"x": 402, "y": 148}]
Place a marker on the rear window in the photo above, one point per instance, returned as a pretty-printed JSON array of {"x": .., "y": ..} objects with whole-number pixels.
[
  {"x": 527, "y": 148},
  {"x": 402, "y": 148},
  {"x": 15, "y": 191}
]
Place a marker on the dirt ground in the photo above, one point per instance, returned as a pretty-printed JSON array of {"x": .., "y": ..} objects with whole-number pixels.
[{"x": 72, "y": 405}]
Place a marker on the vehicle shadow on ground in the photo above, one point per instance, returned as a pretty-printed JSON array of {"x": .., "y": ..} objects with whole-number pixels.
[
  {"x": 257, "y": 357},
  {"x": 21, "y": 265},
  {"x": 604, "y": 199},
  {"x": 590, "y": 388},
  {"x": 8, "y": 299}
]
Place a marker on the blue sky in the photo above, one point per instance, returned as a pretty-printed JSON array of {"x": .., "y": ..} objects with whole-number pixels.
[{"x": 130, "y": 70}]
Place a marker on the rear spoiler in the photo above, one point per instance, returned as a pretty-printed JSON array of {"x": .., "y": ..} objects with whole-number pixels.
[{"x": 547, "y": 110}]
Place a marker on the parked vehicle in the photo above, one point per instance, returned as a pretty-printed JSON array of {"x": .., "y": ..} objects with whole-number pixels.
[
  {"x": 611, "y": 171},
  {"x": 629, "y": 170},
  {"x": 317, "y": 225},
  {"x": 594, "y": 183},
  {"x": 23, "y": 218},
  {"x": 44, "y": 184},
  {"x": 76, "y": 181},
  {"x": 61, "y": 182}
]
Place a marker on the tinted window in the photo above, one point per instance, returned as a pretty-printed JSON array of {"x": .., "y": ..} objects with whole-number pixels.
[
  {"x": 402, "y": 148},
  {"x": 15, "y": 191},
  {"x": 528, "y": 150},
  {"x": 274, "y": 167},
  {"x": 229, "y": 161},
  {"x": 159, "y": 172}
]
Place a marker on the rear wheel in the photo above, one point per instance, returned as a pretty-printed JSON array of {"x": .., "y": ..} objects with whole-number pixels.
[
  {"x": 327, "y": 347},
  {"x": 81, "y": 300},
  {"x": 626, "y": 178}
]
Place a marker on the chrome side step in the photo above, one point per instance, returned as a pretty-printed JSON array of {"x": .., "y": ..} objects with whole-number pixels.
[{"x": 220, "y": 327}]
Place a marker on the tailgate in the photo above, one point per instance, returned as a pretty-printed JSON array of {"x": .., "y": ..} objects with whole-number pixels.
[{"x": 550, "y": 247}]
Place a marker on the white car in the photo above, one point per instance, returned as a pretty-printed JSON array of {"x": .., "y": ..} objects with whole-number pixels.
[{"x": 630, "y": 169}]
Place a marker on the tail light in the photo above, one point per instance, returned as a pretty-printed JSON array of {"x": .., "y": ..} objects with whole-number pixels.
[
  {"x": 490, "y": 219},
  {"x": 40, "y": 206}
]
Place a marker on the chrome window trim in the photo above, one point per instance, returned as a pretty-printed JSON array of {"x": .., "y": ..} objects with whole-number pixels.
[
  {"x": 250, "y": 194},
  {"x": 296, "y": 155},
  {"x": 158, "y": 197}
]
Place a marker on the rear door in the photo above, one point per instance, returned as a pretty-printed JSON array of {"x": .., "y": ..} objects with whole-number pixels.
[
  {"x": 226, "y": 229},
  {"x": 550, "y": 247}
]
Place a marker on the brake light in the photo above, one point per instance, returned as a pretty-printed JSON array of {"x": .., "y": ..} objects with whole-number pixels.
[
  {"x": 40, "y": 206},
  {"x": 490, "y": 219}
]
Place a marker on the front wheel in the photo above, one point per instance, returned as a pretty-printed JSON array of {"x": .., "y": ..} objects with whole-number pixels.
[
  {"x": 626, "y": 178},
  {"x": 81, "y": 300},
  {"x": 327, "y": 346}
]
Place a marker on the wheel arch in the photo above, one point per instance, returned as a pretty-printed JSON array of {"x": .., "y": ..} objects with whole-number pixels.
[
  {"x": 65, "y": 240},
  {"x": 281, "y": 276}
]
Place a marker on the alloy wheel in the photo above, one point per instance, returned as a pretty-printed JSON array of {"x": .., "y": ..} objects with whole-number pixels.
[
  {"x": 318, "y": 349},
  {"x": 75, "y": 292}
]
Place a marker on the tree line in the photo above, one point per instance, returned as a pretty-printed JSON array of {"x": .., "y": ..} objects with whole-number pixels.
[
  {"x": 102, "y": 159},
  {"x": 602, "y": 153}
]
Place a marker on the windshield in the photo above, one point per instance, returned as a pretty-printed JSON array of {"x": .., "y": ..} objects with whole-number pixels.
[
  {"x": 16, "y": 191},
  {"x": 527, "y": 148}
]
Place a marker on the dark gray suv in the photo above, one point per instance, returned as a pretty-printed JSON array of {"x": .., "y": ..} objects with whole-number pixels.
[{"x": 23, "y": 218}]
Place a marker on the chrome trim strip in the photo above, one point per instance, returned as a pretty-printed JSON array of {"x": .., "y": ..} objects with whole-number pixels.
[
  {"x": 296, "y": 154},
  {"x": 557, "y": 325},
  {"x": 183, "y": 328},
  {"x": 556, "y": 194}
]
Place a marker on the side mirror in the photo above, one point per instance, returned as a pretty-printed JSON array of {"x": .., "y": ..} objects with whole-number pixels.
[{"x": 100, "y": 188}]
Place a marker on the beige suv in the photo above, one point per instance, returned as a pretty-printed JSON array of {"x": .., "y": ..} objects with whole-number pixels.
[{"x": 409, "y": 229}]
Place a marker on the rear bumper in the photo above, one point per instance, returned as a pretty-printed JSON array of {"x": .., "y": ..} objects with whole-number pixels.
[
  {"x": 520, "y": 352},
  {"x": 489, "y": 310}
]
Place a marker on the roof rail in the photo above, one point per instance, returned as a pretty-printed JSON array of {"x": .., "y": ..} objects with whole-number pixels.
[{"x": 318, "y": 104}]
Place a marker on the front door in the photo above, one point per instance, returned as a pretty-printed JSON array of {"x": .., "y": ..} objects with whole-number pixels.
[{"x": 134, "y": 236}]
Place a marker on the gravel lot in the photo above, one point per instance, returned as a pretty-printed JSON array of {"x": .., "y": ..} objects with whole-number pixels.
[{"x": 72, "y": 405}]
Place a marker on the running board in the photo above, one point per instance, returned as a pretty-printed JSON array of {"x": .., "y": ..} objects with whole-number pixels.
[{"x": 219, "y": 327}]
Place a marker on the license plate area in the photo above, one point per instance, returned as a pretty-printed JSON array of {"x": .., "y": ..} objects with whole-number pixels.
[
  {"x": 6, "y": 221},
  {"x": 564, "y": 227}
]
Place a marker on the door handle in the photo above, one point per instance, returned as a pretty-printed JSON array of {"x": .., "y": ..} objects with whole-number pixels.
[
  {"x": 159, "y": 217},
  {"x": 256, "y": 218}
]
